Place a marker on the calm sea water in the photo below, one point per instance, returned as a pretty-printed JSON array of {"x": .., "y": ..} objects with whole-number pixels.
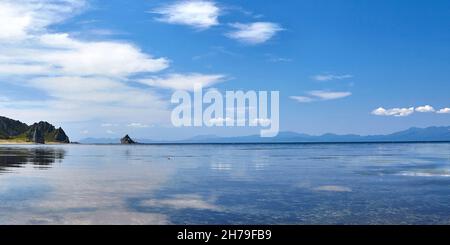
[{"x": 226, "y": 184}]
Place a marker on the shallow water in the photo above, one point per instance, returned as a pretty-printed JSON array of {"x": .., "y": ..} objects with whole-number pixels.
[{"x": 226, "y": 184}]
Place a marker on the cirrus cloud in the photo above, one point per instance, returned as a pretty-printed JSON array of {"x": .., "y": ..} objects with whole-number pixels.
[
  {"x": 254, "y": 33},
  {"x": 321, "y": 95},
  {"x": 302, "y": 99},
  {"x": 329, "y": 95},
  {"x": 330, "y": 77}
]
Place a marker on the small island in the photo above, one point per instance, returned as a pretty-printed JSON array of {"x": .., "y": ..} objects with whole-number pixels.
[
  {"x": 16, "y": 132},
  {"x": 127, "y": 140}
]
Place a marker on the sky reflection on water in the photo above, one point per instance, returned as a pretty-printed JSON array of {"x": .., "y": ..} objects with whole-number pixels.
[{"x": 226, "y": 184}]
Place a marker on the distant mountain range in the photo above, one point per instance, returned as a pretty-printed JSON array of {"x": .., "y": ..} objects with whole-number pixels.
[
  {"x": 410, "y": 135},
  {"x": 42, "y": 132}
]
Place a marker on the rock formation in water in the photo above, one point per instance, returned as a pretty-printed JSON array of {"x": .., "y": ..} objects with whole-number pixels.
[
  {"x": 127, "y": 140},
  {"x": 37, "y": 133}
]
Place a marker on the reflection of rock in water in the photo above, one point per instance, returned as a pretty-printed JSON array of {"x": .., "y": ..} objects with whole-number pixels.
[{"x": 42, "y": 158}]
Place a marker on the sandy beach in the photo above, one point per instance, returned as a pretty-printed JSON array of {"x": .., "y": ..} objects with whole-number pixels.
[{"x": 17, "y": 142}]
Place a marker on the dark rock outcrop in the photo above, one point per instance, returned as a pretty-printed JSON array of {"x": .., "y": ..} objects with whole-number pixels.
[
  {"x": 38, "y": 133},
  {"x": 38, "y": 137},
  {"x": 61, "y": 136},
  {"x": 11, "y": 128},
  {"x": 45, "y": 127},
  {"x": 127, "y": 140}
]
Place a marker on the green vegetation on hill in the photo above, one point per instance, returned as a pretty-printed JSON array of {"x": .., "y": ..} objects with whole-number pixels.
[
  {"x": 42, "y": 132},
  {"x": 11, "y": 128}
]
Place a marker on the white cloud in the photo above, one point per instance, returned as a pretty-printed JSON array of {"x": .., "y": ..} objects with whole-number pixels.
[
  {"x": 75, "y": 99},
  {"x": 321, "y": 95},
  {"x": 23, "y": 18},
  {"x": 402, "y": 112},
  {"x": 94, "y": 90},
  {"x": 254, "y": 33},
  {"x": 59, "y": 54},
  {"x": 183, "y": 81},
  {"x": 426, "y": 108},
  {"x": 199, "y": 14},
  {"x": 444, "y": 111},
  {"x": 110, "y": 58},
  {"x": 330, "y": 77},
  {"x": 137, "y": 125},
  {"x": 396, "y": 112},
  {"x": 73, "y": 87},
  {"x": 329, "y": 95},
  {"x": 33, "y": 50},
  {"x": 302, "y": 99},
  {"x": 23, "y": 69},
  {"x": 76, "y": 80},
  {"x": 107, "y": 125},
  {"x": 17, "y": 22}
]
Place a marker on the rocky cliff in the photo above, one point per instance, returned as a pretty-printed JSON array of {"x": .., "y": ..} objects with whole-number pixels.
[
  {"x": 127, "y": 140},
  {"x": 42, "y": 132},
  {"x": 11, "y": 128}
]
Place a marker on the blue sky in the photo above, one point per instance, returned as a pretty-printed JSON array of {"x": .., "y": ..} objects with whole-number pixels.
[{"x": 106, "y": 68}]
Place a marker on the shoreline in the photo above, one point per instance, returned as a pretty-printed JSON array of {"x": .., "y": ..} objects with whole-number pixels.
[
  {"x": 5, "y": 142},
  {"x": 12, "y": 142}
]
